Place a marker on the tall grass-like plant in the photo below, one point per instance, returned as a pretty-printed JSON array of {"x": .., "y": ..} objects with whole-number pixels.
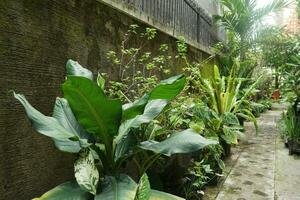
[{"x": 227, "y": 100}]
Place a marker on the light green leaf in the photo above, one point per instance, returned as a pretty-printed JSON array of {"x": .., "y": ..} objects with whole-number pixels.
[
  {"x": 100, "y": 81},
  {"x": 45, "y": 125},
  {"x": 229, "y": 135},
  {"x": 152, "y": 110},
  {"x": 182, "y": 142},
  {"x": 75, "y": 69},
  {"x": 96, "y": 113},
  {"x": 63, "y": 113},
  {"x": 143, "y": 190},
  {"x": 86, "y": 173},
  {"x": 167, "y": 89},
  {"x": 121, "y": 188},
  {"x": 66, "y": 191}
]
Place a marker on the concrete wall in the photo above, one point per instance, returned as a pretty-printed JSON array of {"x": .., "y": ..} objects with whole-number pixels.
[{"x": 36, "y": 39}]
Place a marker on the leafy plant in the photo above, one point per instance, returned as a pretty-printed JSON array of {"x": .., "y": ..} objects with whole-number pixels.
[
  {"x": 223, "y": 98},
  {"x": 86, "y": 121},
  {"x": 139, "y": 69},
  {"x": 197, "y": 178}
]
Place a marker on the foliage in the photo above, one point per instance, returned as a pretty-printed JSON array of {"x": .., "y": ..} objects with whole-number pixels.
[
  {"x": 291, "y": 125},
  {"x": 223, "y": 96},
  {"x": 240, "y": 18},
  {"x": 106, "y": 133},
  {"x": 291, "y": 76},
  {"x": 139, "y": 69},
  {"x": 197, "y": 178}
]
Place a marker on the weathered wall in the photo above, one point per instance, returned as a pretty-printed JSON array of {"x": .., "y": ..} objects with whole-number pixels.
[{"x": 36, "y": 39}]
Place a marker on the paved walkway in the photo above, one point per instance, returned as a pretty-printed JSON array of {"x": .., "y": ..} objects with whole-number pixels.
[{"x": 260, "y": 167}]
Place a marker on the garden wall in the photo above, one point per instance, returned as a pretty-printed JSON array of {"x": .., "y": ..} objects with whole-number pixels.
[{"x": 36, "y": 39}]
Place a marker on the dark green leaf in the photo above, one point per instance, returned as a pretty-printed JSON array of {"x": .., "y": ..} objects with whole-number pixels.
[
  {"x": 96, "y": 113},
  {"x": 121, "y": 188}
]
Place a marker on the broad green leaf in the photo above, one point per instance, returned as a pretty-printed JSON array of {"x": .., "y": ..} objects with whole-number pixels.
[
  {"x": 167, "y": 89},
  {"x": 96, "y": 113},
  {"x": 124, "y": 188},
  {"x": 182, "y": 142},
  {"x": 66, "y": 191},
  {"x": 130, "y": 110},
  {"x": 45, "y": 125},
  {"x": 143, "y": 190},
  {"x": 86, "y": 173},
  {"x": 64, "y": 115},
  {"x": 158, "y": 195},
  {"x": 152, "y": 110},
  {"x": 117, "y": 188},
  {"x": 75, "y": 69}
]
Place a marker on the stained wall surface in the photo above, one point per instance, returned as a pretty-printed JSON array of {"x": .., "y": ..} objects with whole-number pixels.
[{"x": 36, "y": 39}]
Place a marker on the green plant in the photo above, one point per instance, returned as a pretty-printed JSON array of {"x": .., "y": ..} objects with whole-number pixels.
[
  {"x": 139, "y": 69},
  {"x": 292, "y": 125},
  {"x": 197, "y": 177},
  {"x": 86, "y": 121},
  {"x": 240, "y": 17}
]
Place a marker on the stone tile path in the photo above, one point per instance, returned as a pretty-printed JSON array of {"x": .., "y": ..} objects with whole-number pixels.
[{"x": 260, "y": 168}]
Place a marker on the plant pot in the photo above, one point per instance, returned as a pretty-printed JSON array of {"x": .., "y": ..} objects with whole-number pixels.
[{"x": 294, "y": 147}]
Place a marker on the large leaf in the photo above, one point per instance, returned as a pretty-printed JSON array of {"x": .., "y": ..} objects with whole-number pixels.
[
  {"x": 86, "y": 173},
  {"x": 124, "y": 188},
  {"x": 167, "y": 89},
  {"x": 75, "y": 69},
  {"x": 66, "y": 191},
  {"x": 144, "y": 189},
  {"x": 96, "y": 113},
  {"x": 63, "y": 113},
  {"x": 152, "y": 110},
  {"x": 121, "y": 188},
  {"x": 45, "y": 125},
  {"x": 182, "y": 142}
]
